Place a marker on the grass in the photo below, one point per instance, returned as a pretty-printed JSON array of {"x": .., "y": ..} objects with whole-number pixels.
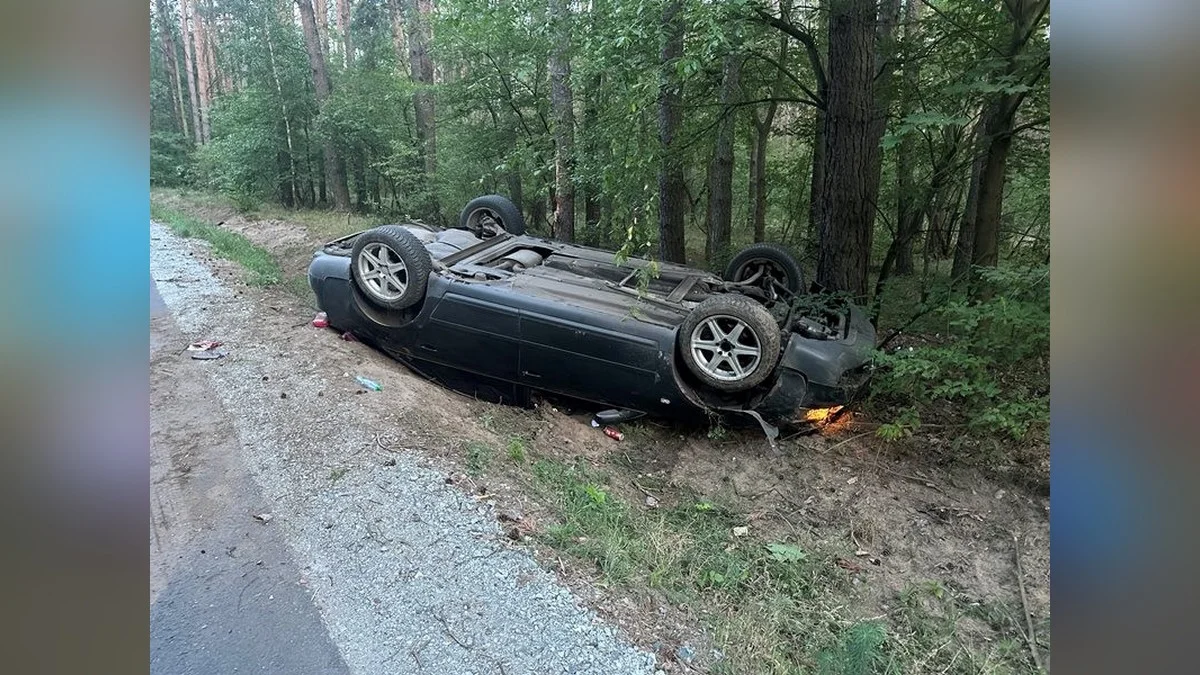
[
  {"x": 261, "y": 267},
  {"x": 516, "y": 449},
  {"x": 777, "y": 607},
  {"x": 479, "y": 457}
]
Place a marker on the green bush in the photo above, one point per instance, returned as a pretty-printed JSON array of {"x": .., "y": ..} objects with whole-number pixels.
[{"x": 990, "y": 366}]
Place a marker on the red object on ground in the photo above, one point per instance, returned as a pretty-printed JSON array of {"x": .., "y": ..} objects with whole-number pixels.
[
  {"x": 613, "y": 434},
  {"x": 319, "y": 321}
]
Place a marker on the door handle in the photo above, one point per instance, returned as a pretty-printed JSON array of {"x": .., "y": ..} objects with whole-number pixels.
[{"x": 526, "y": 373}]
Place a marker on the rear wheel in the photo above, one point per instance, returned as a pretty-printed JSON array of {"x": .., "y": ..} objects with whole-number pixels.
[
  {"x": 489, "y": 212},
  {"x": 730, "y": 343},
  {"x": 766, "y": 266},
  {"x": 390, "y": 266}
]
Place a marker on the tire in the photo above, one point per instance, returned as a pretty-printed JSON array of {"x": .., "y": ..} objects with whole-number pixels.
[
  {"x": 501, "y": 209},
  {"x": 708, "y": 350},
  {"x": 390, "y": 267},
  {"x": 770, "y": 258}
]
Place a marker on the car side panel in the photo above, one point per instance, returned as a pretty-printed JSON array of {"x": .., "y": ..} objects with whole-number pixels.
[
  {"x": 471, "y": 333},
  {"x": 588, "y": 361}
]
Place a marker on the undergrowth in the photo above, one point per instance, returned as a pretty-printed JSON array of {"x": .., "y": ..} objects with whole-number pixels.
[
  {"x": 772, "y": 608},
  {"x": 261, "y": 267}
]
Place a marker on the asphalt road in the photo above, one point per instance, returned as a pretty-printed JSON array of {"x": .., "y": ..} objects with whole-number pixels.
[{"x": 225, "y": 594}]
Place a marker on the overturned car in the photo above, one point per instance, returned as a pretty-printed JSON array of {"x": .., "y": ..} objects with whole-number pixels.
[{"x": 487, "y": 309}]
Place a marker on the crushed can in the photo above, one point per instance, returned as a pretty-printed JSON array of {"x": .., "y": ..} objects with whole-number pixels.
[
  {"x": 612, "y": 433},
  {"x": 319, "y": 321}
]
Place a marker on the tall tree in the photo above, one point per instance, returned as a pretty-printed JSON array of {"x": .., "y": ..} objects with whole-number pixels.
[
  {"x": 908, "y": 214},
  {"x": 998, "y": 121},
  {"x": 203, "y": 69},
  {"x": 562, "y": 104},
  {"x": 847, "y": 208},
  {"x": 321, "y": 9},
  {"x": 720, "y": 170},
  {"x": 169, "y": 49},
  {"x": 964, "y": 246},
  {"x": 185, "y": 31},
  {"x": 343, "y": 14},
  {"x": 399, "y": 41},
  {"x": 820, "y": 99},
  {"x": 762, "y": 135},
  {"x": 671, "y": 197},
  {"x": 421, "y": 62},
  {"x": 335, "y": 169}
]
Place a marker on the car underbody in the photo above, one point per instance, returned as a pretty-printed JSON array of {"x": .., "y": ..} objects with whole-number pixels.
[{"x": 500, "y": 314}]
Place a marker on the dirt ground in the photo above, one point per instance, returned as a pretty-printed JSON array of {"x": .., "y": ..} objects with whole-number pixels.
[{"x": 901, "y": 518}]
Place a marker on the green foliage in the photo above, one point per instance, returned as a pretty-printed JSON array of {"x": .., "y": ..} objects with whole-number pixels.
[
  {"x": 262, "y": 268},
  {"x": 479, "y": 457},
  {"x": 516, "y": 450},
  {"x": 858, "y": 653},
  {"x": 989, "y": 366},
  {"x": 170, "y": 159}
]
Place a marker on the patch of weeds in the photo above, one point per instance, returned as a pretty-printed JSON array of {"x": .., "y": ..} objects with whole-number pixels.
[
  {"x": 479, "y": 457},
  {"x": 857, "y": 653},
  {"x": 516, "y": 449},
  {"x": 337, "y": 474},
  {"x": 935, "y": 628},
  {"x": 717, "y": 432},
  {"x": 262, "y": 267}
]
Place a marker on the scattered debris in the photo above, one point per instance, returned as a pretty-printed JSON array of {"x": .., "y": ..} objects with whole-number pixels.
[
  {"x": 264, "y": 518},
  {"x": 612, "y": 433},
  {"x": 349, "y": 337},
  {"x": 320, "y": 320},
  {"x": 209, "y": 355},
  {"x": 741, "y": 531},
  {"x": 595, "y": 423},
  {"x": 369, "y": 384},
  {"x": 651, "y": 502},
  {"x": 203, "y": 346}
]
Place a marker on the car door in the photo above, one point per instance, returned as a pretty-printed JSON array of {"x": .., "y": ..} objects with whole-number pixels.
[
  {"x": 577, "y": 357},
  {"x": 471, "y": 328}
]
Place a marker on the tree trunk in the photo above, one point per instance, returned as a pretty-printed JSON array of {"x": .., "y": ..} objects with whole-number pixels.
[
  {"x": 762, "y": 137},
  {"x": 998, "y": 136},
  {"x": 720, "y": 171},
  {"x": 186, "y": 33},
  {"x": 964, "y": 247},
  {"x": 591, "y": 203},
  {"x": 562, "y": 105},
  {"x": 816, "y": 185},
  {"x": 203, "y": 74},
  {"x": 210, "y": 50},
  {"x": 421, "y": 65},
  {"x": 885, "y": 52},
  {"x": 399, "y": 41},
  {"x": 343, "y": 13},
  {"x": 998, "y": 131},
  {"x": 671, "y": 198},
  {"x": 335, "y": 166},
  {"x": 170, "y": 54},
  {"x": 360, "y": 179},
  {"x": 283, "y": 109},
  {"x": 908, "y": 217},
  {"x": 322, "y": 16},
  {"x": 847, "y": 211}
]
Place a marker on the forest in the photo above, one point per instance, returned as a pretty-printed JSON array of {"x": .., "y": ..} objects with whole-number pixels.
[{"x": 900, "y": 148}]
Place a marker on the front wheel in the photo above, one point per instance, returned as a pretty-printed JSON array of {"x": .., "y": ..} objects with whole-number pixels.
[{"x": 730, "y": 343}]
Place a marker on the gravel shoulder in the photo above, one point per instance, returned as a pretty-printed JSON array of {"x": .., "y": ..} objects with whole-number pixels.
[{"x": 408, "y": 572}]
